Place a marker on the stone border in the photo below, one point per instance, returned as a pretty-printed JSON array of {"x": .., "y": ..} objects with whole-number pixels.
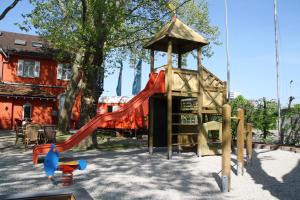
[{"x": 276, "y": 147}]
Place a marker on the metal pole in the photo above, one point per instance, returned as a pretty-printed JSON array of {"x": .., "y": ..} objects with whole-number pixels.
[
  {"x": 227, "y": 52},
  {"x": 277, "y": 70}
]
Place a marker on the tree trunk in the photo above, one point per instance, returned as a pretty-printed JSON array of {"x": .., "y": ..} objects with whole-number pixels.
[
  {"x": 94, "y": 87},
  {"x": 265, "y": 123},
  {"x": 71, "y": 93},
  {"x": 291, "y": 98}
]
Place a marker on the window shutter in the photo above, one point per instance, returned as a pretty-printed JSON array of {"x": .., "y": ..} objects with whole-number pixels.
[
  {"x": 20, "y": 68},
  {"x": 59, "y": 71},
  {"x": 37, "y": 69}
]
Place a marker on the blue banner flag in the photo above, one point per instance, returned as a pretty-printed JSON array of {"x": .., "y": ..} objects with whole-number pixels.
[
  {"x": 119, "y": 86},
  {"x": 136, "y": 87}
]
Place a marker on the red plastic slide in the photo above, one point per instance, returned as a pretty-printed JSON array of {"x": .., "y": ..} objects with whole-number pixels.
[{"x": 156, "y": 84}]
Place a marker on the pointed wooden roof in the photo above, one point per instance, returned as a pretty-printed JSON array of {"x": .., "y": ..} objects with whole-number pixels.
[{"x": 184, "y": 38}]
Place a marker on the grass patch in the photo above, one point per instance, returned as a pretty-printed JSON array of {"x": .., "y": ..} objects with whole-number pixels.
[
  {"x": 107, "y": 141},
  {"x": 62, "y": 138},
  {"x": 113, "y": 144}
]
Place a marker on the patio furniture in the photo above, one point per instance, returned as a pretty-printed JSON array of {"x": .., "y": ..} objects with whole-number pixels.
[
  {"x": 31, "y": 134},
  {"x": 49, "y": 133},
  {"x": 19, "y": 130}
]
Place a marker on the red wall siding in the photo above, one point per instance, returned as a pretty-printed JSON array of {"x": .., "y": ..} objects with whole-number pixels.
[
  {"x": 5, "y": 114},
  {"x": 48, "y": 72},
  {"x": 103, "y": 107},
  {"x": 12, "y": 108}
]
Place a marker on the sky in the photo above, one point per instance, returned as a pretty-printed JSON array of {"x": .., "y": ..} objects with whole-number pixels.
[{"x": 251, "y": 48}]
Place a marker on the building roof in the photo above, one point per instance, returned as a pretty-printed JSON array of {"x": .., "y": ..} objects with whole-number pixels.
[
  {"x": 24, "y": 91},
  {"x": 114, "y": 99},
  {"x": 23, "y": 44},
  {"x": 184, "y": 38}
]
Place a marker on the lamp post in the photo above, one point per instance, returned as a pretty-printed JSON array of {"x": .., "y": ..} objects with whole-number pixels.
[
  {"x": 277, "y": 70},
  {"x": 227, "y": 52}
]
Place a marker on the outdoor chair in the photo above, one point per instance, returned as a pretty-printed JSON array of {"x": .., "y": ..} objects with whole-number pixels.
[
  {"x": 19, "y": 130},
  {"x": 50, "y": 134},
  {"x": 31, "y": 133}
]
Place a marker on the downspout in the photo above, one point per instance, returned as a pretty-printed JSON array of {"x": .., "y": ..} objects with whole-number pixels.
[{"x": 6, "y": 56}]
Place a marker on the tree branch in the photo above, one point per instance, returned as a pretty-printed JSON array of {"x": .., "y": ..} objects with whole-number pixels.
[
  {"x": 62, "y": 7},
  {"x": 11, "y": 6},
  {"x": 84, "y": 11}
]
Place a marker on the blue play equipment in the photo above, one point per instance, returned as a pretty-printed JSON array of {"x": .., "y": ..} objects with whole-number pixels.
[{"x": 52, "y": 164}]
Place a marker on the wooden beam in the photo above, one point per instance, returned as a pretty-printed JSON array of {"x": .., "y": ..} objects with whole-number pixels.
[
  {"x": 200, "y": 138},
  {"x": 240, "y": 142},
  {"x": 179, "y": 60},
  {"x": 152, "y": 60},
  {"x": 151, "y": 124},
  {"x": 226, "y": 148},
  {"x": 169, "y": 99},
  {"x": 249, "y": 144},
  {"x": 225, "y": 93},
  {"x": 211, "y": 111}
]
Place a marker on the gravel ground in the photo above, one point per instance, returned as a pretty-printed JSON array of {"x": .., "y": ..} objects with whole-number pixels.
[{"x": 134, "y": 174}]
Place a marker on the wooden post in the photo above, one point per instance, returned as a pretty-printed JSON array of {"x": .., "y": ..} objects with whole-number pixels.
[
  {"x": 152, "y": 60},
  {"x": 169, "y": 98},
  {"x": 200, "y": 139},
  {"x": 249, "y": 144},
  {"x": 151, "y": 110},
  {"x": 179, "y": 60},
  {"x": 226, "y": 148},
  {"x": 151, "y": 107},
  {"x": 240, "y": 142},
  {"x": 225, "y": 95}
]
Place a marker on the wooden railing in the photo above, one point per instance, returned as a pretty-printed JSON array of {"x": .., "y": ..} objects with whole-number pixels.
[{"x": 185, "y": 82}]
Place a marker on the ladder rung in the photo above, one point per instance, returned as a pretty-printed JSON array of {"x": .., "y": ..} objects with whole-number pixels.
[
  {"x": 179, "y": 124},
  {"x": 192, "y": 113},
  {"x": 185, "y": 134}
]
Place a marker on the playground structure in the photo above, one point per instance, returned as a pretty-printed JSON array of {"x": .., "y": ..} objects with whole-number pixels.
[
  {"x": 177, "y": 106},
  {"x": 167, "y": 92},
  {"x": 195, "y": 95},
  {"x": 51, "y": 165},
  {"x": 242, "y": 135}
]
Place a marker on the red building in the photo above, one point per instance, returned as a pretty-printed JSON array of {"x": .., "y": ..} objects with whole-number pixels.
[
  {"x": 111, "y": 103},
  {"x": 32, "y": 82}
]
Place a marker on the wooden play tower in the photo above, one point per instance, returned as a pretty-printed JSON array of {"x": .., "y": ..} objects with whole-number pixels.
[{"x": 182, "y": 116}]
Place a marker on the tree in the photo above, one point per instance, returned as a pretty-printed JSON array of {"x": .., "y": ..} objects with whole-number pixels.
[
  {"x": 241, "y": 102},
  {"x": 8, "y": 8},
  {"x": 265, "y": 116},
  {"x": 97, "y": 33},
  {"x": 290, "y": 123}
]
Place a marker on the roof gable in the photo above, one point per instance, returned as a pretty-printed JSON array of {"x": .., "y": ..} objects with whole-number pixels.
[
  {"x": 184, "y": 38},
  {"x": 23, "y": 44}
]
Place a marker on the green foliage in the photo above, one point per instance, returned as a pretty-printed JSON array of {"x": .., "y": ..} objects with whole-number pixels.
[
  {"x": 291, "y": 124},
  {"x": 265, "y": 116},
  {"x": 268, "y": 140},
  {"x": 195, "y": 14},
  {"x": 123, "y": 25},
  {"x": 96, "y": 34},
  {"x": 261, "y": 113},
  {"x": 241, "y": 102}
]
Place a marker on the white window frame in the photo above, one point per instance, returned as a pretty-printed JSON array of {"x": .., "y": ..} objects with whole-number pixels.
[
  {"x": 25, "y": 105},
  {"x": 22, "y": 69},
  {"x": 64, "y": 71}
]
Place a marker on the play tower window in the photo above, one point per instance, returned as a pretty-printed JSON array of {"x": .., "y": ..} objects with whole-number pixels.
[{"x": 189, "y": 105}]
